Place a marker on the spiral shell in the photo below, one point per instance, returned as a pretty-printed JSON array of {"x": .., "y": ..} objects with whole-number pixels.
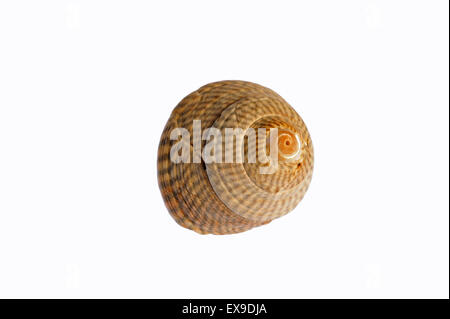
[{"x": 223, "y": 197}]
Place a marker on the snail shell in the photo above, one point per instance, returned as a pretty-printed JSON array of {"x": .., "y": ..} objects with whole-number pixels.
[{"x": 226, "y": 198}]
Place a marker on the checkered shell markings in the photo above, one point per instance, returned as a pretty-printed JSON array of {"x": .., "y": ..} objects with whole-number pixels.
[{"x": 230, "y": 196}]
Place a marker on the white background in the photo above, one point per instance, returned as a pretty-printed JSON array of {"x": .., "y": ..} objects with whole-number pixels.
[{"x": 87, "y": 86}]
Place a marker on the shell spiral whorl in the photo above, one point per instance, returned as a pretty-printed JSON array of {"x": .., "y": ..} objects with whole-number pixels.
[{"x": 230, "y": 197}]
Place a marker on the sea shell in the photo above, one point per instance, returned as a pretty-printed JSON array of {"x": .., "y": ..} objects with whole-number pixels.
[{"x": 219, "y": 197}]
